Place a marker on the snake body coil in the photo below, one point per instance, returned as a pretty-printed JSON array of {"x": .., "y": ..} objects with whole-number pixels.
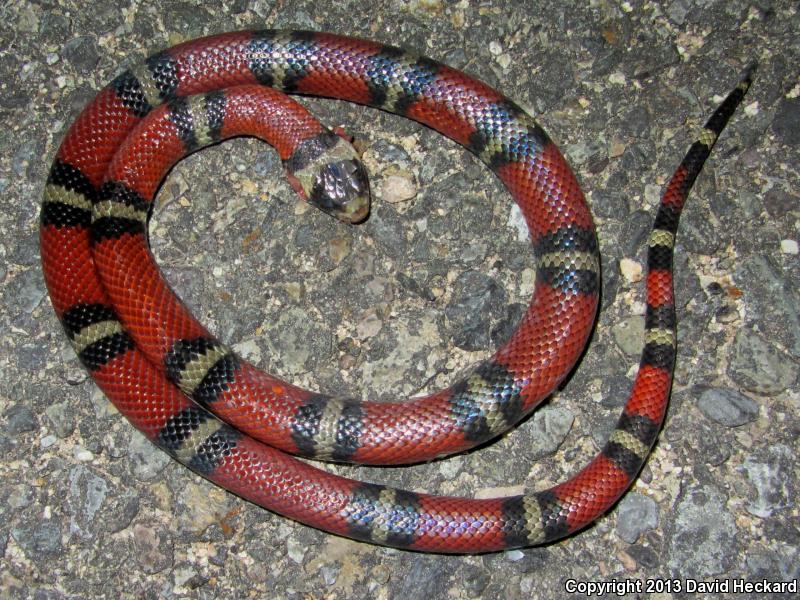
[{"x": 168, "y": 375}]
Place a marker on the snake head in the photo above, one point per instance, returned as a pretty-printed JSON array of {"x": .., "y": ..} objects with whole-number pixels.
[{"x": 327, "y": 172}]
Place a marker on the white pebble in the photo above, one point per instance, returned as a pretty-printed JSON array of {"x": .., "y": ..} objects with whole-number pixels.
[
  {"x": 652, "y": 194},
  {"x": 516, "y": 221},
  {"x": 515, "y": 555},
  {"x": 249, "y": 350},
  {"x": 82, "y": 454},
  {"x": 398, "y": 188},
  {"x": 789, "y": 247},
  {"x": 752, "y": 109},
  {"x": 630, "y": 269}
]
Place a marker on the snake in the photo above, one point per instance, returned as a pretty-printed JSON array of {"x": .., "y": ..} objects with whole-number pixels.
[{"x": 212, "y": 411}]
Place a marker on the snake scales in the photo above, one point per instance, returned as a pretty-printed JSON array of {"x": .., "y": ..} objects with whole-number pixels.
[{"x": 212, "y": 411}]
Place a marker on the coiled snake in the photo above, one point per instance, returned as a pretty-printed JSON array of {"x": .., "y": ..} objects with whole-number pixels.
[{"x": 215, "y": 413}]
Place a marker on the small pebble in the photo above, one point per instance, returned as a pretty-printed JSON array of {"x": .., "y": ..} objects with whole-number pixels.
[
  {"x": 751, "y": 109},
  {"x": 248, "y": 349},
  {"x": 628, "y": 334},
  {"x": 636, "y": 515},
  {"x": 631, "y": 270},
  {"x": 515, "y": 555},
  {"x": 789, "y": 247},
  {"x": 295, "y": 550},
  {"x": 617, "y": 78},
  {"x": 60, "y": 418},
  {"x": 20, "y": 496},
  {"x": 82, "y": 454},
  {"x": 727, "y": 407},
  {"x": 369, "y": 325},
  {"x": 450, "y": 468},
  {"x": 398, "y": 188},
  {"x": 516, "y": 221},
  {"x": 330, "y": 574},
  {"x": 21, "y": 419},
  {"x": 338, "y": 249},
  {"x": 47, "y": 441}
]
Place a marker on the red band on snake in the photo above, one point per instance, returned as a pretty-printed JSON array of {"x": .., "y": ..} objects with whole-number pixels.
[{"x": 170, "y": 377}]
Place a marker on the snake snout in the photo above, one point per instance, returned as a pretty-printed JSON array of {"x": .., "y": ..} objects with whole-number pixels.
[
  {"x": 341, "y": 189},
  {"x": 330, "y": 175}
]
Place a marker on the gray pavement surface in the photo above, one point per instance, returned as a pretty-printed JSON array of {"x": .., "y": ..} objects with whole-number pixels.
[{"x": 429, "y": 285}]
